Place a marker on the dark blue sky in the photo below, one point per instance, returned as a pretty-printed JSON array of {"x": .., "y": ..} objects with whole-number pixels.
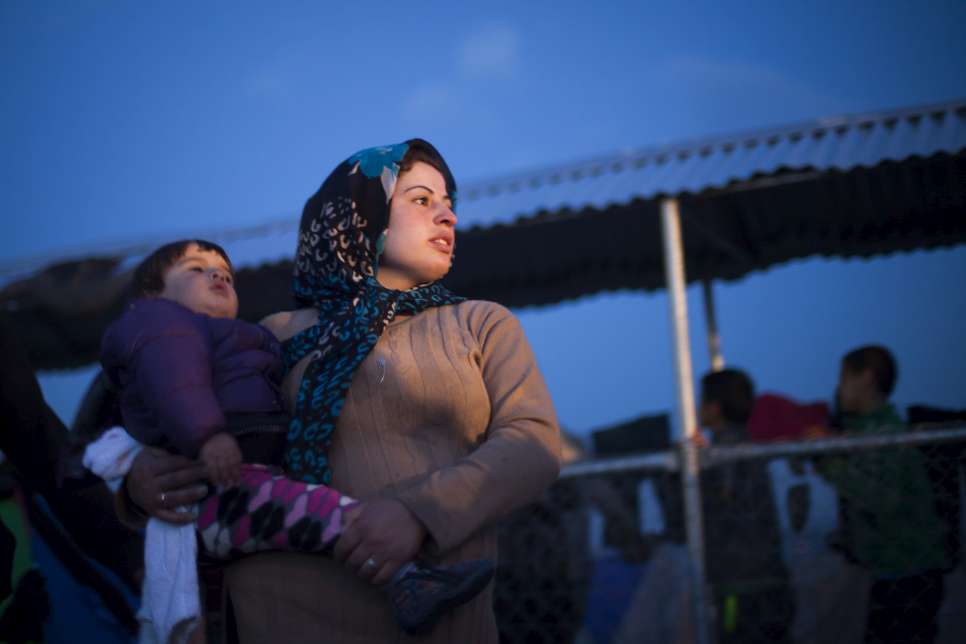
[{"x": 122, "y": 121}]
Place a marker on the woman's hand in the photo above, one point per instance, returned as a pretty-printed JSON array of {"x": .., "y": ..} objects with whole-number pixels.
[
  {"x": 381, "y": 536},
  {"x": 159, "y": 482}
]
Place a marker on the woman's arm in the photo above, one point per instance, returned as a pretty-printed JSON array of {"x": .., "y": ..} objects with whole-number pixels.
[
  {"x": 518, "y": 460},
  {"x": 520, "y": 457}
]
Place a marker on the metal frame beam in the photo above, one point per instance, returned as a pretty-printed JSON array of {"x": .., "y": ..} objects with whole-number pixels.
[{"x": 690, "y": 478}]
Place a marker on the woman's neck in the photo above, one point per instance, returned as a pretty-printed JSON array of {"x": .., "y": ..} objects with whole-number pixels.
[{"x": 394, "y": 281}]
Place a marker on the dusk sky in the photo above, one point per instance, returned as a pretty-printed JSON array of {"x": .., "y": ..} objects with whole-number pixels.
[{"x": 132, "y": 122}]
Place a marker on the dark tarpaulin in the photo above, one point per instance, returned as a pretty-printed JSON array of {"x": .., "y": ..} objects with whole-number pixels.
[
  {"x": 895, "y": 206},
  {"x": 727, "y": 234}
]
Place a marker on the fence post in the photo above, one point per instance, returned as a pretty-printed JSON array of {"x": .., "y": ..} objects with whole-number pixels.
[
  {"x": 690, "y": 474},
  {"x": 711, "y": 321}
]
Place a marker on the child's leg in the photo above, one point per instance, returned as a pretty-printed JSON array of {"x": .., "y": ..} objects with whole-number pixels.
[
  {"x": 267, "y": 511},
  {"x": 420, "y": 594}
]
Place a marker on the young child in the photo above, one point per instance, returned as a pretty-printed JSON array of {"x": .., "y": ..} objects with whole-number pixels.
[
  {"x": 743, "y": 558},
  {"x": 196, "y": 380}
]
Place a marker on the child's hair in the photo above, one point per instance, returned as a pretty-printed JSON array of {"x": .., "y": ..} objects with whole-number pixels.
[
  {"x": 733, "y": 390},
  {"x": 879, "y": 360},
  {"x": 148, "y": 277}
]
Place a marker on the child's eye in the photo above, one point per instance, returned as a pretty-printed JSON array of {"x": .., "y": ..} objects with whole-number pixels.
[{"x": 196, "y": 269}]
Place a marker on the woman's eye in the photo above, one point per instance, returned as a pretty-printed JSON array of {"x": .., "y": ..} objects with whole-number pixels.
[{"x": 422, "y": 201}]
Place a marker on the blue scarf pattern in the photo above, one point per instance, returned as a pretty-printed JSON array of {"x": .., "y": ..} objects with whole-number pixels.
[{"x": 340, "y": 239}]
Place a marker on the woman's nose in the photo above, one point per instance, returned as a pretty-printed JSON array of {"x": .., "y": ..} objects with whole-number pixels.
[{"x": 445, "y": 216}]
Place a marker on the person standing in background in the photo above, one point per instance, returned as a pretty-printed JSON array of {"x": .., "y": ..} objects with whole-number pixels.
[{"x": 892, "y": 528}]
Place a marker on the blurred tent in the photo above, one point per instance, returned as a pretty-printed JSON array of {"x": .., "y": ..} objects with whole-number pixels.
[{"x": 853, "y": 186}]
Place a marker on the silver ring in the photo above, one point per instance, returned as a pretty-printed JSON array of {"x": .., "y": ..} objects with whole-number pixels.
[
  {"x": 370, "y": 563},
  {"x": 163, "y": 495}
]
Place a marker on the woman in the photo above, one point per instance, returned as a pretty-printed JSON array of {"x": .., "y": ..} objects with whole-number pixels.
[{"x": 429, "y": 408}]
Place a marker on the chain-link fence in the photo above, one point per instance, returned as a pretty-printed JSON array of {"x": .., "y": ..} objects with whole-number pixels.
[{"x": 821, "y": 541}]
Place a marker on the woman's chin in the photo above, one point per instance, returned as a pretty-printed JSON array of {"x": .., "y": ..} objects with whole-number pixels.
[
  {"x": 404, "y": 281},
  {"x": 437, "y": 275}
]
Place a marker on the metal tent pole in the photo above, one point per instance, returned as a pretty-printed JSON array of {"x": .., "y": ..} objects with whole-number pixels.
[
  {"x": 690, "y": 474},
  {"x": 711, "y": 320}
]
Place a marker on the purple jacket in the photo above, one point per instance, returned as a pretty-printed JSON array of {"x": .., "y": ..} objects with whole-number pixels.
[{"x": 179, "y": 372}]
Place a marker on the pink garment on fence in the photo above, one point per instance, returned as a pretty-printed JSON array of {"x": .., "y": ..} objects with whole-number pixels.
[{"x": 776, "y": 417}]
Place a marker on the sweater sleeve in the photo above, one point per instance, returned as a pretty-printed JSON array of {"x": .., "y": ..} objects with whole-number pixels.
[
  {"x": 520, "y": 456},
  {"x": 169, "y": 360}
]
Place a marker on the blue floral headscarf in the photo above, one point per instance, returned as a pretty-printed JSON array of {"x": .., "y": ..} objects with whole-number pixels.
[{"x": 340, "y": 240}]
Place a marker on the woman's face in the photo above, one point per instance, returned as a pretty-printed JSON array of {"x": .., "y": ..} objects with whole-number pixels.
[{"x": 420, "y": 238}]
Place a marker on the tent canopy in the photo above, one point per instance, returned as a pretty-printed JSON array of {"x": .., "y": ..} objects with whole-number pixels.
[{"x": 845, "y": 187}]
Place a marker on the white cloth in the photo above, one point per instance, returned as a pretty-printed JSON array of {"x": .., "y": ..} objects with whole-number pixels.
[
  {"x": 170, "y": 606},
  {"x": 111, "y": 456}
]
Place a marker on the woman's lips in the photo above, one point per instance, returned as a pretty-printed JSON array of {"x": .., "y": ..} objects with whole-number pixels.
[{"x": 442, "y": 244}]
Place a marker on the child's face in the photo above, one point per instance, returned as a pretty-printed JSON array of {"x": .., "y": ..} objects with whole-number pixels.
[
  {"x": 709, "y": 413},
  {"x": 201, "y": 281},
  {"x": 853, "y": 390}
]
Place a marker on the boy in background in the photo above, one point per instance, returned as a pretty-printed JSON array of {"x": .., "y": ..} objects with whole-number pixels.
[{"x": 890, "y": 525}]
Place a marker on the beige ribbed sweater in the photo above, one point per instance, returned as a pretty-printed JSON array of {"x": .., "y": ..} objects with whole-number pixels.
[{"x": 450, "y": 415}]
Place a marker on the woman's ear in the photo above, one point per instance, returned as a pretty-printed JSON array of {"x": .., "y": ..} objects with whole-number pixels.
[{"x": 381, "y": 243}]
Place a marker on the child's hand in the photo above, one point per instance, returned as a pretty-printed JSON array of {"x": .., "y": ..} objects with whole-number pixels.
[
  {"x": 222, "y": 458},
  {"x": 816, "y": 432},
  {"x": 698, "y": 440}
]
